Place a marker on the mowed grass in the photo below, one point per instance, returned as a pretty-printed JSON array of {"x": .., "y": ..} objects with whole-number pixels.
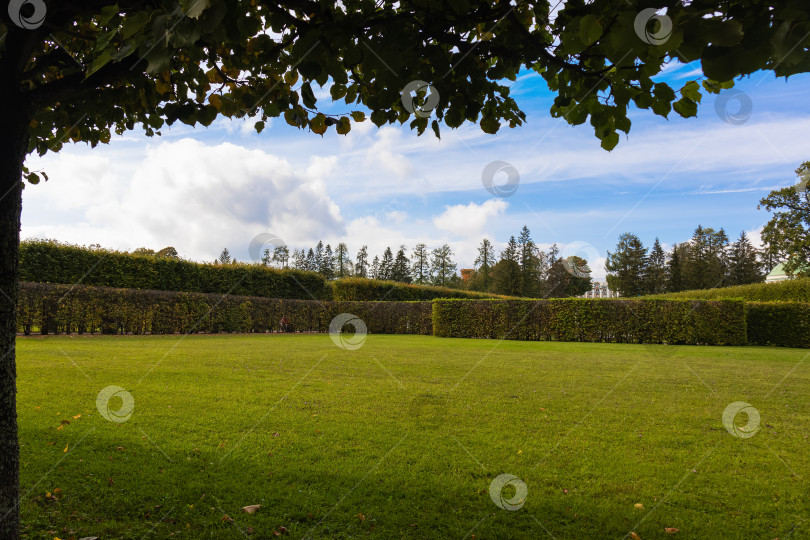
[{"x": 402, "y": 438}]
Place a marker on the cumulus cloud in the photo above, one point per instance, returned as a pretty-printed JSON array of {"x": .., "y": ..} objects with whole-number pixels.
[
  {"x": 186, "y": 194},
  {"x": 469, "y": 220}
]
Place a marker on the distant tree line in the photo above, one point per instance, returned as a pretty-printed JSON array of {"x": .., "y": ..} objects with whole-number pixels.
[
  {"x": 706, "y": 261},
  {"x": 521, "y": 269}
]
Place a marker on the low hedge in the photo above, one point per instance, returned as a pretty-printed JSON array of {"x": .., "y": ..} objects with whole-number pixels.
[
  {"x": 786, "y": 324},
  {"x": 599, "y": 320},
  {"x": 354, "y": 289},
  {"x": 60, "y": 309},
  {"x": 47, "y": 261},
  {"x": 790, "y": 290}
]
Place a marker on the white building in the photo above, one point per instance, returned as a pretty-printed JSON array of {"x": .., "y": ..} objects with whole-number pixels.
[{"x": 600, "y": 290}]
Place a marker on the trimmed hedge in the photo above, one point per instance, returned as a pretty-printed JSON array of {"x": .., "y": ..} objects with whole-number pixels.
[
  {"x": 52, "y": 262},
  {"x": 62, "y": 309},
  {"x": 791, "y": 290},
  {"x": 600, "y": 320},
  {"x": 46, "y": 261},
  {"x": 786, "y": 324},
  {"x": 355, "y": 289}
]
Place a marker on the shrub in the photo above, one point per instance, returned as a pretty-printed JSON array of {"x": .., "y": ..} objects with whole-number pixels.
[
  {"x": 604, "y": 320},
  {"x": 786, "y": 324},
  {"x": 791, "y": 290},
  {"x": 355, "y": 289},
  {"x": 54, "y": 308},
  {"x": 52, "y": 262}
]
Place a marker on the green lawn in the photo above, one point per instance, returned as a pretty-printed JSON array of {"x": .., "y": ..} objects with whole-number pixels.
[{"x": 402, "y": 438}]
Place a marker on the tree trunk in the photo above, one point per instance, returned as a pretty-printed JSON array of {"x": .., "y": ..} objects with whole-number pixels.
[{"x": 13, "y": 146}]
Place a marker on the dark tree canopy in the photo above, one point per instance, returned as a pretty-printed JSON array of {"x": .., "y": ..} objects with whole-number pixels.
[{"x": 87, "y": 69}]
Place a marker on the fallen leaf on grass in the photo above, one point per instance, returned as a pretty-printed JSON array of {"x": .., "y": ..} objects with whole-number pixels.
[
  {"x": 634, "y": 536},
  {"x": 283, "y": 529},
  {"x": 251, "y": 509},
  {"x": 275, "y": 434},
  {"x": 51, "y": 443},
  {"x": 64, "y": 422},
  {"x": 671, "y": 530},
  {"x": 227, "y": 518},
  {"x": 638, "y": 506},
  {"x": 66, "y": 447},
  {"x": 77, "y": 417},
  {"x": 361, "y": 516},
  {"x": 110, "y": 481},
  {"x": 249, "y": 530}
]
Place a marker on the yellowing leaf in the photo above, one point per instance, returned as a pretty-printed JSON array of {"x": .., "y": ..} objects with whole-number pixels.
[
  {"x": 638, "y": 506},
  {"x": 66, "y": 448}
]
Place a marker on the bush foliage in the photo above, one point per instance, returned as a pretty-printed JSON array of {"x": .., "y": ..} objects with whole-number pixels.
[
  {"x": 53, "y": 262},
  {"x": 786, "y": 324},
  {"x": 47, "y": 261},
  {"x": 602, "y": 320},
  {"x": 50, "y": 308},
  {"x": 791, "y": 290},
  {"x": 355, "y": 289}
]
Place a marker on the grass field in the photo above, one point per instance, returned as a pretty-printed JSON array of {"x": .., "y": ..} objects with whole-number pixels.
[{"x": 404, "y": 436}]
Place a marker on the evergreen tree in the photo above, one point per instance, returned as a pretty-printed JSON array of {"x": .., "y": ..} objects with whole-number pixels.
[
  {"x": 483, "y": 267},
  {"x": 675, "y": 268},
  {"x": 655, "y": 275},
  {"x": 375, "y": 268},
  {"x": 300, "y": 259},
  {"x": 744, "y": 265},
  {"x": 401, "y": 270},
  {"x": 327, "y": 268},
  {"x": 705, "y": 267},
  {"x": 361, "y": 267},
  {"x": 224, "y": 257},
  {"x": 387, "y": 264},
  {"x": 506, "y": 274},
  {"x": 506, "y": 277},
  {"x": 343, "y": 262},
  {"x": 281, "y": 255},
  {"x": 421, "y": 264},
  {"x": 627, "y": 266},
  {"x": 317, "y": 260},
  {"x": 442, "y": 266},
  {"x": 266, "y": 258},
  {"x": 529, "y": 264},
  {"x": 311, "y": 264}
]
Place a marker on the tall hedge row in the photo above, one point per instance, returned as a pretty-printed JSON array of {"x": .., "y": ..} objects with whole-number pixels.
[
  {"x": 49, "y": 308},
  {"x": 46, "y": 261},
  {"x": 354, "y": 289},
  {"x": 53, "y": 262},
  {"x": 600, "y": 320},
  {"x": 786, "y": 324},
  {"x": 791, "y": 290}
]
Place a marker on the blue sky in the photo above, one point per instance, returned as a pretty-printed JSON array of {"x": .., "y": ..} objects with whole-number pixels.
[{"x": 207, "y": 188}]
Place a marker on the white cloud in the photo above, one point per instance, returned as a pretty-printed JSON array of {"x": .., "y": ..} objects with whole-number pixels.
[
  {"x": 196, "y": 197},
  {"x": 469, "y": 220}
]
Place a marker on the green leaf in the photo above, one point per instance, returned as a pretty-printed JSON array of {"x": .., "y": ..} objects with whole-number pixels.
[
  {"x": 589, "y": 29},
  {"x": 318, "y": 124},
  {"x": 358, "y": 116},
  {"x": 435, "y": 126},
  {"x": 490, "y": 124},
  {"x": 134, "y": 24},
  {"x": 194, "y": 8},
  {"x": 610, "y": 141},
  {"x": 691, "y": 90},
  {"x": 107, "y": 13},
  {"x": 307, "y": 95},
  {"x": 685, "y": 107},
  {"x": 343, "y": 126}
]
